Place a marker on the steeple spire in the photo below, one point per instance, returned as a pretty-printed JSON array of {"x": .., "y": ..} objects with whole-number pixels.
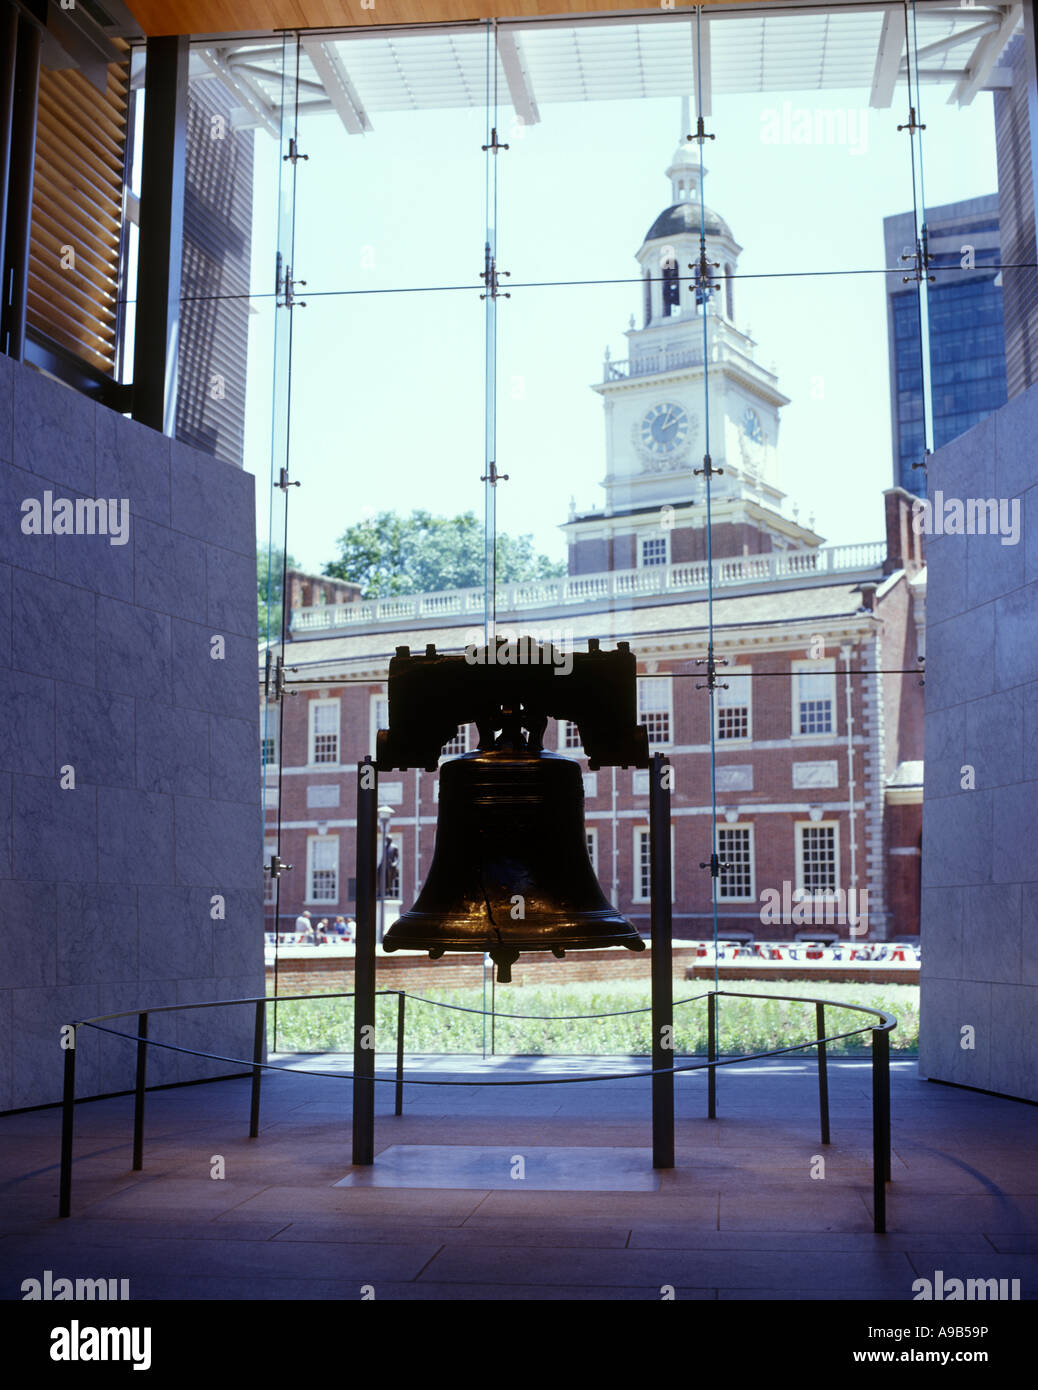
[{"x": 684, "y": 171}]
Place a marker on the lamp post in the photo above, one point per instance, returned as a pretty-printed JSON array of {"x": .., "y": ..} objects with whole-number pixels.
[{"x": 385, "y": 815}]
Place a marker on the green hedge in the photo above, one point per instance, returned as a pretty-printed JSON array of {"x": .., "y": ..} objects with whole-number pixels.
[{"x": 745, "y": 1025}]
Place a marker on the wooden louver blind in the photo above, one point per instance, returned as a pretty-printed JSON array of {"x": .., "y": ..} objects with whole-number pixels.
[{"x": 77, "y": 213}]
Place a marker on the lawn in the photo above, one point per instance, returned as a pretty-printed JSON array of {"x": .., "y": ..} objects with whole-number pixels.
[{"x": 563, "y": 1028}]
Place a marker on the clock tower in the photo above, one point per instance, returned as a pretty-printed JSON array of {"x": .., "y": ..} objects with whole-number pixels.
[{"x": 688, "y": 365}]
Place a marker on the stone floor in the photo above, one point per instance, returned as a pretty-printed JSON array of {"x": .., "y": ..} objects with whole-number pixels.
[{"x": 740, "y": 1216}]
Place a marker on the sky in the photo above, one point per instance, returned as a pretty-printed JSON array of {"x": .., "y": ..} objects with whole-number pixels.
[{"x": 388, "y": 379}]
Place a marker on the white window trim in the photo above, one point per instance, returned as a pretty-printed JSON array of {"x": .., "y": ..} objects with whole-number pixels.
[
  {"x": 736, "y": 742},
  {"x": 668, "y": 680},
  {"x": 271, "y": 768},
  {"x": 591, "y": 832},
  {"x": 563, "y": 728},
  {"x": 813, "y": 668},
  {"x": 310, "y": 900},
  {"x": 314, "y": 705},
  {"x": 752, "y": 896},
  {"x": 800, "y": 825},
  {"x": 463, "y": 732},
  {"x": 373, "y": 720},
  {"x": 652, "y": 536},
  {"x": 636, "y": 893}
]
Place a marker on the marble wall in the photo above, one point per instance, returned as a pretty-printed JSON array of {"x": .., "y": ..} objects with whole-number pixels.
[
  {"x": 980, "y": 840},
  {"x": 129, "y": 748}
]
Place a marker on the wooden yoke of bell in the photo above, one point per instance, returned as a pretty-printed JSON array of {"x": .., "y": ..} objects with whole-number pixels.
[{"x": 431, "y": 695}]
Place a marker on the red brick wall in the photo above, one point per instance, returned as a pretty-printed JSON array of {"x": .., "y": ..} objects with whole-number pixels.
[
  {"x": 418, "y": 974},
  {"x": 414, "y": 973},
  {"x": 774, "y": 838}
]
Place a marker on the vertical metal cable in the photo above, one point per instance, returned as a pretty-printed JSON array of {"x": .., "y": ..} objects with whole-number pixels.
[
  {"x": 922, "y": 236},
  {"x": 279, "y": 457},
  {"x": 490, "y": 351},
  {"x": 703, "y": 283}
]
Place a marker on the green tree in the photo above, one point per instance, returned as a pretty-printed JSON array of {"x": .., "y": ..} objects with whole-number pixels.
[
  {"x": 393, "y": 554},
  {"x": 270, "y": 579}
]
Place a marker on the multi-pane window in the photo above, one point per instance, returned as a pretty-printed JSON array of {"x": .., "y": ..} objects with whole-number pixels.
[
  {"x": 654, "y": 550},
  {"x": 458, "y": 744},
  {"x": 569, "y": 736},
  {"x": 733, "y": 707},
  {"x": 324, "y": 731},
  {"x": 592, "y": 848},
  {"x": 322, "y": 869},
  {"x": 379, "y": 719},
  {"x": 269, "y": 752},
  {"x": 642, "y": 866},
  {"x": 654, "y": 707},
  {"x": 814, "y": 700},
  {"x": 817, "y": 861},
  {"x": 735, "y": 851}
]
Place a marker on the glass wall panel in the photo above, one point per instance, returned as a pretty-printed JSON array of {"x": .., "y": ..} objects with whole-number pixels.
[{"x": 649, "y": 297}]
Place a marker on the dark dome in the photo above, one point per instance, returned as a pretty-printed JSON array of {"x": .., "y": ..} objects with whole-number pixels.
[{"x": 683, "y": 218}]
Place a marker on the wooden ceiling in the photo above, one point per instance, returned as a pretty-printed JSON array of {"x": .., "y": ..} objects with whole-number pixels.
[{"x": 247, "y": 16}]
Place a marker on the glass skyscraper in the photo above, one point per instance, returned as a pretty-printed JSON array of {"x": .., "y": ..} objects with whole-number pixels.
[{"x": 967, "y": 339}]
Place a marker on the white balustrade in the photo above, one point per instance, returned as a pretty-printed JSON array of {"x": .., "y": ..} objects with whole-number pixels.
[{"x": 579, "y": 589}]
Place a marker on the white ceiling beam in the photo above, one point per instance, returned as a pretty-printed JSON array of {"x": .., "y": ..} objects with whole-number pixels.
[
  {"x": 971, "y": 35},
  {"x": 888, "y": 60},
  {"x": 264, "y": 113},
  {"x": 517, "y": 77},
  {"x": 336, "y": 82},
  {"x": 985, "y": 56}
]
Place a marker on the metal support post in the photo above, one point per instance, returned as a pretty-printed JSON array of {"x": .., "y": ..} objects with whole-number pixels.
[
  {"x": 364, "y": 966},
  {"x": 662, "y": 966}
]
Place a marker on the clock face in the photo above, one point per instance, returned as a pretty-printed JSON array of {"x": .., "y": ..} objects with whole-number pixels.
[
  {"x": 752, "y": 428},
  {"x": 664, "y": 429}
]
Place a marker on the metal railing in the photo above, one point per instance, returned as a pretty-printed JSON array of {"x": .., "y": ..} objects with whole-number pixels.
[
  {"x": 255, "y": 1068},
  {"x": 652, "y": 363},
  {"x": 528, "y": 596}
]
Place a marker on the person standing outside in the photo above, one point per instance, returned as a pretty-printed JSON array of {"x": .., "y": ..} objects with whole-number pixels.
[{"x": 303, "y": 926}]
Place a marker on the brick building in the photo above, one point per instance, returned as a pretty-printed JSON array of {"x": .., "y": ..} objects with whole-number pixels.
[{"x": 818, "y": 730}]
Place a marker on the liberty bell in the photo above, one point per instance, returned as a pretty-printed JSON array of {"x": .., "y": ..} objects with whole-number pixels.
[{"x": 511, "y": 870}]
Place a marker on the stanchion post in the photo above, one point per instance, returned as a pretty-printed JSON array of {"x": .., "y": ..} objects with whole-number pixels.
[
  {"x": 401, "y": 1000},
  {"x": 364, "y": 966},
  {"x": 138, "y": 1094},
  {"x": 880, "y": 1114},
  {"x": 68, "y": 1108},
  {"x": 662, "y": 965},
  {"x": 885, "y": 1070},
  {"x": 711, "y": 1056},
  {"x": 258, "y": 1032},
  {"x": 823, "y": 1072}
]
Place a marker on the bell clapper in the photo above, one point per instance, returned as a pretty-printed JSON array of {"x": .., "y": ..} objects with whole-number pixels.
[{"x": 504, "y": 960}]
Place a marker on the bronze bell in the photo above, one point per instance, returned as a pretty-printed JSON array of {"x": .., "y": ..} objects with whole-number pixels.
[{"x": 511, "y": 870}]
